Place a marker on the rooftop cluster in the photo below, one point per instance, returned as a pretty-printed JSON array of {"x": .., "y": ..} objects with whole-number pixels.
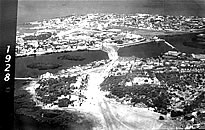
[
  {"x": 61, "y": 91},
  {"x": 142, "y": 21},
  {"x": 65, "y": 88},
  {"x": 79, "y": 32},
  {"x": 166, "y": 23},
  {"x": 70, "y": 34},
  {"x": 171, "y": 85}
]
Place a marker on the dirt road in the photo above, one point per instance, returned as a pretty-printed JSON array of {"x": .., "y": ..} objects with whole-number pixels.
[{"x": 116, "y": 116}]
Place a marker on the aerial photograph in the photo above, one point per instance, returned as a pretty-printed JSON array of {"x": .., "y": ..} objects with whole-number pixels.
[{"x": 110, "y": 65}]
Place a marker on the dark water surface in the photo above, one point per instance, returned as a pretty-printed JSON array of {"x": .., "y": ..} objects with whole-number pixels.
[
  {"x": 23, "y": 71},
  {"x": 155, "y": 49},
  {"x": 178, "y": 40},
  {"x": 33, "y": 10},
  {"x": 146, "y": 50}
]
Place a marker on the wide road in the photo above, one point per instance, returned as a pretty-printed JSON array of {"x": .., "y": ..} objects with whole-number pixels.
[{"x": 116, "y": 116}]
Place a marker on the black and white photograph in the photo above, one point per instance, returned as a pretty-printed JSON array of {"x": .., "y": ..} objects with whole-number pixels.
[{"x": 105, "y": 64}]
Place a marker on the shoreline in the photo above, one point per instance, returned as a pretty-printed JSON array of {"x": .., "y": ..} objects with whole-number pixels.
[{"x": 90, "y": 49}]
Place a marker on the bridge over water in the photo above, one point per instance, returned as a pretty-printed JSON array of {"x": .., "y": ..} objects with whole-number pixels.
[{"x": 111, "y": 50}]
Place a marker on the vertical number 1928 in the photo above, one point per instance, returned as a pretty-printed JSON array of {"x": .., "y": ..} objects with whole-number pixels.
[{"x": 7, "y": 60}]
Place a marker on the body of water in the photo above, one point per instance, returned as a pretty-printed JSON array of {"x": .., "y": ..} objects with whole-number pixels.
[
  {"x": 33, "y": 10},
  {"x": 178, "y": 40},
  {"x": 23, "y": 71},
  {"x": 146, "y": 50},
  {"x": 152, "y": 49}
]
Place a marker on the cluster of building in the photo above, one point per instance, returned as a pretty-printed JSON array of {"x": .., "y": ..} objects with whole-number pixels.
[
  {"x": 185, "y": 80},
  {"x": 71, "y": 41},
  {"x": 70, "y": 34},
  {"x": 80, "y": 32},
  {"x": 61, "y": 91},
  {"x": 166, "y": 23},
  {"x": 66, "y": 88},
  {"x": 136, "y": 70},
  {"x": 181, "y": 74},
  {"x": 141, "y": 21}
]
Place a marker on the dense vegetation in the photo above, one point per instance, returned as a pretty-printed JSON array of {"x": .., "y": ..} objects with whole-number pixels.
[
  {"x": 150, "y": 95},
  {"x": 180, "y": 94},
  {"x": 49, "y": 90}
]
